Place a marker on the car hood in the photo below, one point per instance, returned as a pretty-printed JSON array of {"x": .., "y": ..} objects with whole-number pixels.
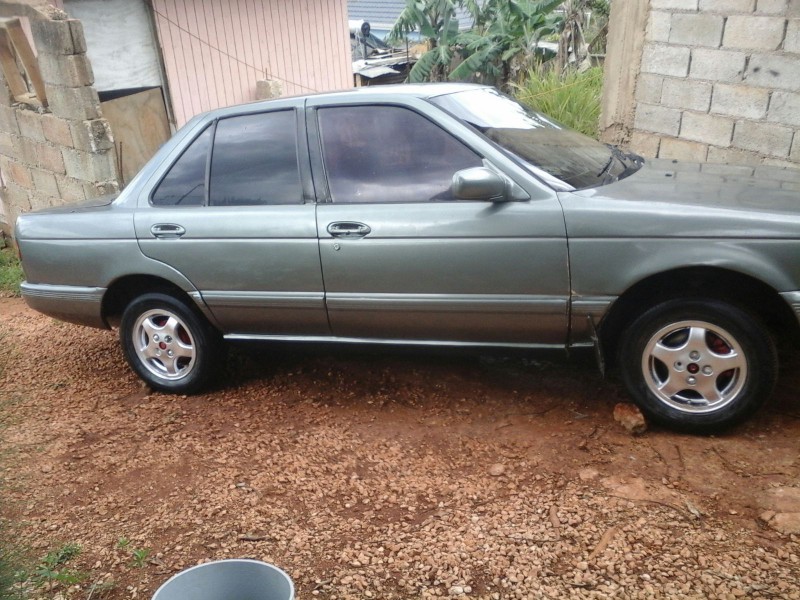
[{"x": 677, "y": 199}]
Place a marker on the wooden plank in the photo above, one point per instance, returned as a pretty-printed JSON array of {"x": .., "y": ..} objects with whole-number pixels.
[
  {"x": 139, "y": 124},
  {"x": 26, "y": 56},
  {"x": 8, "y": 63}
]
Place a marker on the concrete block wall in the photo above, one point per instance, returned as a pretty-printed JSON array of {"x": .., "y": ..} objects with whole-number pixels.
[
  {"x": 62, "y": 153},
  {"x": 716, "y": 81}
]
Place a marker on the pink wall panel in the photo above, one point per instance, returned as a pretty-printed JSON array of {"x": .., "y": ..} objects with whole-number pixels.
[{"x": 215, "y": 50}]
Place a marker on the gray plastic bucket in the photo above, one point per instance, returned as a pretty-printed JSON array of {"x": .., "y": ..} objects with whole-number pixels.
[{"x": 234, "y": 579}]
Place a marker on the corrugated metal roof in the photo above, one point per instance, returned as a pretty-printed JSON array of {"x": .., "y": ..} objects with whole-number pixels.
[{"x": 382, "y": 14}]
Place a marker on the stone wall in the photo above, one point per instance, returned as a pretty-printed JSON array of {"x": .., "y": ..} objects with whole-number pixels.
[
  {"x": 716, "y": 81},
  {"x": 63, "y": 152}
]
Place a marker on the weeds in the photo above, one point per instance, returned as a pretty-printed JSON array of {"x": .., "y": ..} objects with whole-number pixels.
[
  {"x": 52, "y": 570},
  {"x": 573, "y": 99},
  {"x": 140, "y": 556},
  {"x": 10, "y": 273}
]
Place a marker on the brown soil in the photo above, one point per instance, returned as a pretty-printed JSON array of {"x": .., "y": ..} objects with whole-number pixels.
[{"x": 387, "y": 473}]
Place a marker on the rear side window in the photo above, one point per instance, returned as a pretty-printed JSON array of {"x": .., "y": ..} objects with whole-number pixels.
[
  {"x": 185, "y": 183},
  {"x": 255, "y": 161}
]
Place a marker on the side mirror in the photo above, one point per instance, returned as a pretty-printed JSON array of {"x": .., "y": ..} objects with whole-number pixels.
[{"x": 479, "y": 183}]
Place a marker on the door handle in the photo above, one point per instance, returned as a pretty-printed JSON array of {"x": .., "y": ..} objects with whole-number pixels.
[
  {"x": 348, "y": 229},
  {"x": 167, "y": 230}
]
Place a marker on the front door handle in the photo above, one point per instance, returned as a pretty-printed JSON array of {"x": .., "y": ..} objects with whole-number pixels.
[
  {"x": 167, "y": 230},
  {"x": 348, "y": 229}
]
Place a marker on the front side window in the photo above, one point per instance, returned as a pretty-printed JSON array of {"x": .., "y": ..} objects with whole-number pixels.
[
  {"x": 185, "y": 182},
  {"x": 255, "y": 161},
  {"x": 383, "y": 154}
]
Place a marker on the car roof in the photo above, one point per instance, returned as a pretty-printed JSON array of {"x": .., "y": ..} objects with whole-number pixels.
[{"x": 418, "y": 90}]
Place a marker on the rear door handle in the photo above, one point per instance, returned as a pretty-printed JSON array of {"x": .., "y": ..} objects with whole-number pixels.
[
  {"x": 167, "y": 230},
  {"x": 348, "y": 229}
]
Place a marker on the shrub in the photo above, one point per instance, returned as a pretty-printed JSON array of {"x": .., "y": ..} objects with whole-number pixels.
[
  {"x": 573, "y": 99},
  {"x": 10, "y": 273}
]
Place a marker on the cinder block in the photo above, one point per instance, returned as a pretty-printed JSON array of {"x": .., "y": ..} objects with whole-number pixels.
[
  {"x": 772, "y": 140},
  {"x": 30, "y": 125},
  {"x": 101, "y": 188},
  {"x": 687, "y": 94},
  {"x": 58, "y": 37},
  {"x": 57, "y": 130},
  {"x": 785, "y": 108},
  {"x": 793, "y": 8},
  {"x": 683, "y": 150},
  {"x": 754, "y": 33},
  {"x": 774, "y": 71},
  {"x": 658, "y": 119},
  {"x": 9, "y": 145},
  {"x": 78, "y": 103},
  {"x": 16, "y": 199},
  {"x": 674, "y": 4},
  {"x": 648, "y": 88},
  {"x": 49, "y": 158},
  {"x": 658, "y": 26},
  {"x": 70, "y": 190},
  {"x": 69, "y": 70},
  {"x": 44, "y": 182},
  {"x": 645, "y": 144},
  {"x": 772, "y": 7},
  {"x": 41, "y": 200},
  {"x": 92, "y": 136},
  {"x": 795, "y": 152},
  {"x": 740, "y": 101},
  {"x": 792, "y": 41},
  {"x": 707, "y": 129},
  {"x": 727, "y": 6},
  {"x": 717, "y": 65},
  {"x": 89, "y": 166},
  {"x": 665, "y": 60},
  {"x": 267, "y": 89},
  {"x": 733, "y": 156},
  {"x": 700, "y": 29},
  {"x": 5, "y": 92},
  {"x": 8, "y": 120},
  {"x": 16, "y": 172}
]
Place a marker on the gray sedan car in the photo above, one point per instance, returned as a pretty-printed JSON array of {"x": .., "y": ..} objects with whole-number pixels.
[{"x": 436, "y": 214}]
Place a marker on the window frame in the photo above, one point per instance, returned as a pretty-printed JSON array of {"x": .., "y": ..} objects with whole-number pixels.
[{"x": 301, "y": 145}]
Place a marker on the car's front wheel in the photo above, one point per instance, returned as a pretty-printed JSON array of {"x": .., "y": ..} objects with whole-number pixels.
[
  {"x": 698, "y": 365},
  {"x": 167, "y": 344}
]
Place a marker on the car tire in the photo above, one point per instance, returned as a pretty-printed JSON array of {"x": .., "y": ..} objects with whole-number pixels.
[
  {"x": 169, "y": 345},
  {"x": 698, "y": 365}
]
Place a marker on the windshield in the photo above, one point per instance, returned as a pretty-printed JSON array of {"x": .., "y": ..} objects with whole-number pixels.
[{"x": 545, "y": 147}]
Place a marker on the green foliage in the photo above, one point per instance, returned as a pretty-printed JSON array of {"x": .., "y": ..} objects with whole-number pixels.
[
  {"x": 123, "y": 542},
  {"x": 10, "y": 568},
  {"x": 503, "y": 38},
  {"x": 436, "y": 21},
  {"x": 52, "y": 569},
  {"x": 10, "y": 273},
  {"x": 139, "y": 556},
  {"x": 573, "y": 99}
]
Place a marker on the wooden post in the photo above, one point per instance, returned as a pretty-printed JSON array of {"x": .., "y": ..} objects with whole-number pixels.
[{"x": 14, "y": 43}]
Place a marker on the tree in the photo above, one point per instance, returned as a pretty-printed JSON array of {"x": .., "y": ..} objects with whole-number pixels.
[{"x": 437, "y": 22}]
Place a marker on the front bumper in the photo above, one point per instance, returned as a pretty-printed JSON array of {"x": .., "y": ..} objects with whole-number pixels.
[{"x": 75, "y": 304}]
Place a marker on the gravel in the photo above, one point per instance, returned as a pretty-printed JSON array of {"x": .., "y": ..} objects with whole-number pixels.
[{"x": 388, "y": 474}]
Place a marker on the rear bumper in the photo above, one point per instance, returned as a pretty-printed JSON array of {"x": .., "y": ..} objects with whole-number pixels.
[
  {"x": 793, "y": 300},
  {"x": 75, "y": 304}
]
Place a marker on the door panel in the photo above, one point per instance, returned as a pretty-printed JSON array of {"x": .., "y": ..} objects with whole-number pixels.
[
  {"x": 456, "y": 271},
  {"x": 257, "y": 268}
]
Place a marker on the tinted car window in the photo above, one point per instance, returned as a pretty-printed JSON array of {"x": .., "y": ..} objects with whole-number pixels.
[
  {"x": 255, "y": 161},
  {"x": 185, "y": 182},
  {"x": 389, "y": 154}
]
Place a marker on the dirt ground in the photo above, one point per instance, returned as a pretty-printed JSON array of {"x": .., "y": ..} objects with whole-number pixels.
[{"x": 388, "y": 473}]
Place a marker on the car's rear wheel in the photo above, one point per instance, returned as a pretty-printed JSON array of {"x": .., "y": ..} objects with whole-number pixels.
[
  {"x": 698, "y": 365},
  {"x": 167, "y": 344}
]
